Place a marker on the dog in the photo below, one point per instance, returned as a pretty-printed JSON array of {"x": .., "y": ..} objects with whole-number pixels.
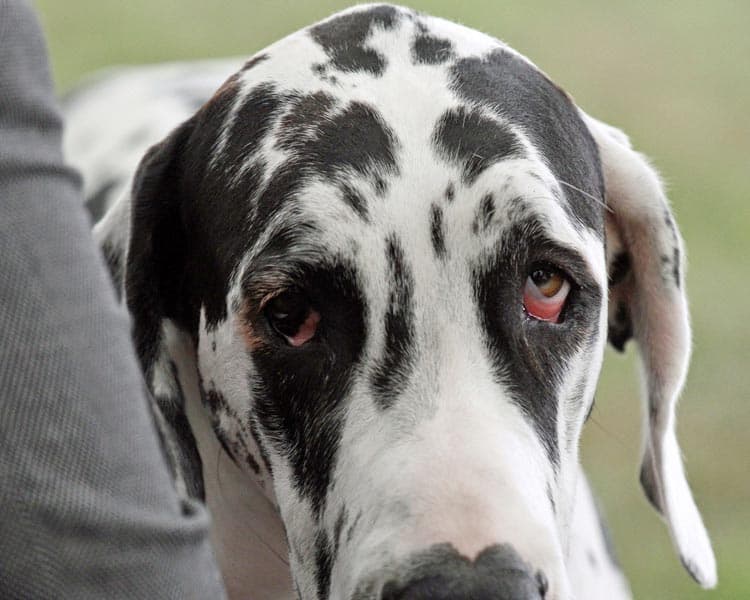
[{"x": 374, "y": 274}]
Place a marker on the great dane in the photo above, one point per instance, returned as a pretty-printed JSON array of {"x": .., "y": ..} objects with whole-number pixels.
[{"x": 378, "y": 267}]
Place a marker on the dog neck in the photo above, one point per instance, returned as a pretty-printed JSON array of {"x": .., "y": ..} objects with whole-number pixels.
[{"x": 246, "y": 529}]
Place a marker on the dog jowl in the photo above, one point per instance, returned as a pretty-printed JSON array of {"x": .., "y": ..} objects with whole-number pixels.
[{"x": 395, "y": 251}]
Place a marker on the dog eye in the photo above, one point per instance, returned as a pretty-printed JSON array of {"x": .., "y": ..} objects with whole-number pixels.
[
  {"x": 544, "y": 293},
  {"x": 291, "y": 316}
]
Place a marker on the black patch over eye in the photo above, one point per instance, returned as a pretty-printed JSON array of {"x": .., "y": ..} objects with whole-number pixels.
[
  {"x": 287, "y": 312},
  {"x": 530, "y": 356},
  {"x": 301, "y": 386}
]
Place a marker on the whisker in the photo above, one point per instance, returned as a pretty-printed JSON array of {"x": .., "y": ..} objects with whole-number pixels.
[{"x": 594, "y": 198}]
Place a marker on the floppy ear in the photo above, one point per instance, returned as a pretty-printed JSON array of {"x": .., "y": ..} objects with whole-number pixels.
[
  {"x": 647, "y": 302},
  {"x": 157, "y": 298}
]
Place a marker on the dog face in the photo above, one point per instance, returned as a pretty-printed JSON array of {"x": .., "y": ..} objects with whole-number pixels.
[{"x": 392, "y": 241}]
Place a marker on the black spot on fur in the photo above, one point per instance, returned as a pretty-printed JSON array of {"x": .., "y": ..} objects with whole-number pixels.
[
  {"x": 530, "y": 357},
  {"x": 430, "y": 50},
  {"x": 676, "y": 266},
  {"x": 323, "y": 564},
  {"x": 392, "y": 370},
  {"x": 450, "y": 192},
  {"x": 357, "y": 203},
  {"x": 299, "y": 124},
  {"x": 173, "y": 410},
  {"x": 338, "y": 529},
  {"x": 255, "y": 60},
  {"x": 437, "y": 235},
  {"x": 590, "y": 409},
  {"x": 353, "y": 527},
  {"x": 691, "y": 568},
  {"x": 252, "y": 122},
  {"x": 330, "y": 142},
  {"x": 551, "y": 498},
  {"x": 619, "y": 268},
  {"x": 344, "y": 38},
  {"x": 649, "y": 486},
  {"x": 299, "y": 390},
  {"x": 485, "y": 214},
  {"x": 504, "y": 82},
  {"x": 620, "y": 327},
  {"x": 237, "y": 449},
  {"x": 467, "y": 137},
  {"x": 380, "y": 186}
]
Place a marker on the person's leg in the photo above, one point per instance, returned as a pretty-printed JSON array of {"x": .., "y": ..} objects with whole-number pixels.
[{"x": 87, "y": 507}]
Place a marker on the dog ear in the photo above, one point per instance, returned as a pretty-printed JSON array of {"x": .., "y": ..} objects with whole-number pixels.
[
  {"x": 647, "y": 302},
  {"x": 155, "y": 292}
]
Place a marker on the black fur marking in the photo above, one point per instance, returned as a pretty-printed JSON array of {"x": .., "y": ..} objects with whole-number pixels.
[
  {"x": 352, "y": 528},
  {"x": 430, "y": 50},
  {"x": 344, "y": 38},
  {"x": 299, "y": 123},
  {"x": 691, "y": 568},
  {"x": 676, "y": 266},
  {"x": 381, "y": 187},
  {"x": 391, "y": 372},
  {"x": 551, "y": 498},
  {"x": 331, "y": 143},
  {"x": 441, "y": 572},
  {"x": 620, "y": 328},
  {"x": 450, "y": 192},
  {"x": 507, "y": 84},
  {"x": 237, "y": 450},
  {"x": 323, "y": 564},
  {"x": 173, "y": 410},
  {"x": 97, "y": 202},
  {"x": 436, "y": 231},
  {"x": 485, "y": 214},
  {"x": 590, "y": 409},
  {"x": 649, "y": 486},
  {"x": 189, "y": 227},
  {"x": 113, "y": 258},
  {"x": 157, "y": 250},
  {"x": 357, "y": 203},
  {"x": 619, "y": 268},
  {"x": 467, "y": 137},
  {"x": 338, "y": 529},
  {"x": 300, "y": 391},
  {"x": 252, "y": 121},
  {"x": 255, "y": 60},
  {"x": 530, "y": 357}
]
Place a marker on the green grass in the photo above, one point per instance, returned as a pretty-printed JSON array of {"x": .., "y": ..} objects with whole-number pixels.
[{"x": 675, "y": 76}]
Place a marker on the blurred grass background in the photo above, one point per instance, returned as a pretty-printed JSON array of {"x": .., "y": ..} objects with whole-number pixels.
[{"x": 676, "y": 77}]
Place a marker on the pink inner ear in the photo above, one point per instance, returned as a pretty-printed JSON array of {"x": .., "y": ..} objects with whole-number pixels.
[{"x": 307, "y": 330}]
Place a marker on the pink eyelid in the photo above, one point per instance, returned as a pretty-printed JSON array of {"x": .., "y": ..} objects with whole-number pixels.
[
  {"x": 306, "y": 331},
  {"x": 542, "y": 308}
]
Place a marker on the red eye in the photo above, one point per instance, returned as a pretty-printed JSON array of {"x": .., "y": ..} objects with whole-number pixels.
[
  {"x": 291, "y": 316},
  {"x": 544, "y": 294}
]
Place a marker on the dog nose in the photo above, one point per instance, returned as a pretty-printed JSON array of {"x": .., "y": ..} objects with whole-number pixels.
[{"x": 497, "y": 573}]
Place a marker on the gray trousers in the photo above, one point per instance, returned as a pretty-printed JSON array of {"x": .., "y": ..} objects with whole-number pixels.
[{"x": 87, "y": 507}]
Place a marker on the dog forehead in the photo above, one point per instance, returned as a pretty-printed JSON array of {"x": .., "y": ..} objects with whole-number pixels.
[{"x": 380, "y": 102}]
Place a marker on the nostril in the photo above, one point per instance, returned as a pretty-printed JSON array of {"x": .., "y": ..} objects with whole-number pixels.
[
  {"x": 498, "y": 573},
  {"x": 541, "y": 579}
]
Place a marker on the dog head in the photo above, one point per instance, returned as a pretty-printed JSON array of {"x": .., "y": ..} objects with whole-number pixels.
[{"x": 398, "y": 250}]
